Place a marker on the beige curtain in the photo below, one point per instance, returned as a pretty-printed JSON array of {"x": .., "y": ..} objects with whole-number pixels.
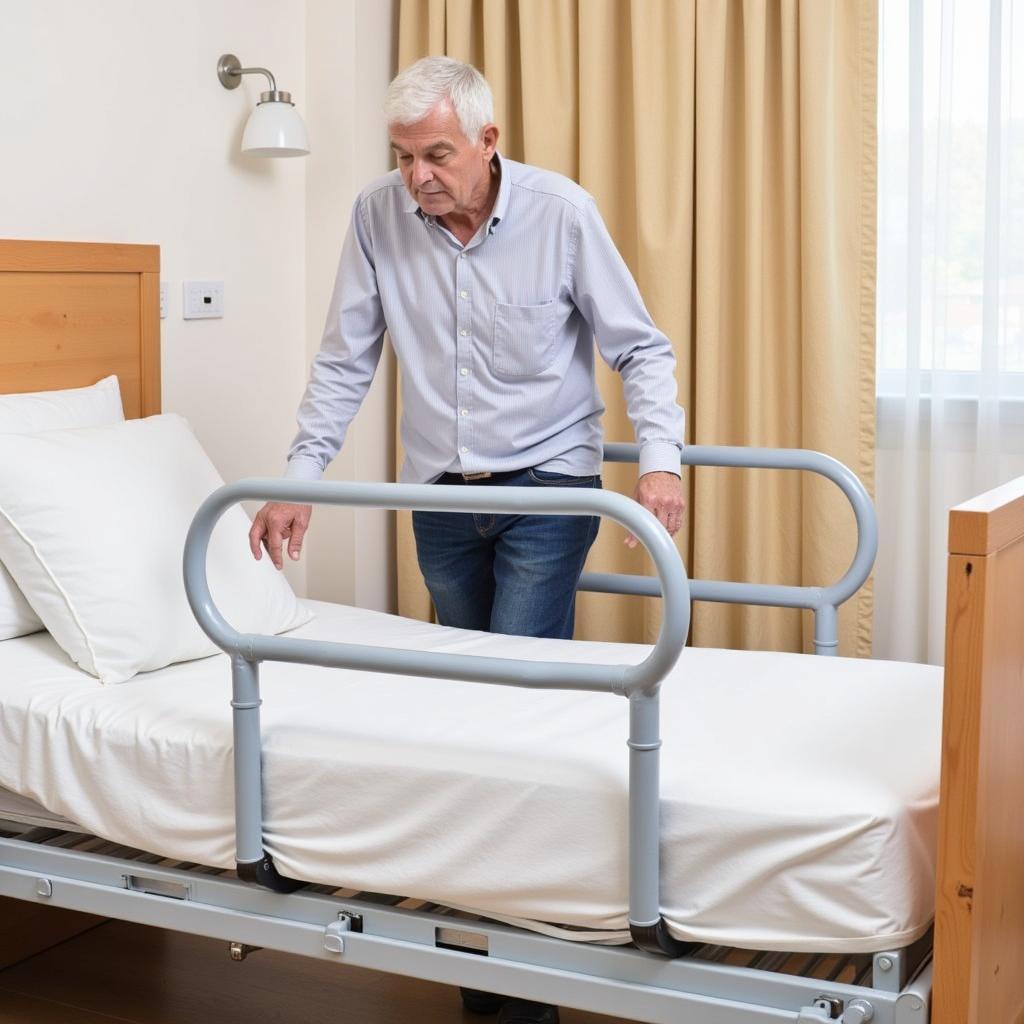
[{"x": 730, "y": 145}]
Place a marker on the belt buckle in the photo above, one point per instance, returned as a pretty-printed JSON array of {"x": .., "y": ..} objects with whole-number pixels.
[{"x": 476, "y": 476}]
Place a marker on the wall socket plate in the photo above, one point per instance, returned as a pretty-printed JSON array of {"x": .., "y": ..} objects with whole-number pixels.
[{"x": 203, "y": 300}]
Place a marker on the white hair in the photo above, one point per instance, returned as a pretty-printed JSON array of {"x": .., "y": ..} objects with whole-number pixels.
[{"x": 415, "y": 91}]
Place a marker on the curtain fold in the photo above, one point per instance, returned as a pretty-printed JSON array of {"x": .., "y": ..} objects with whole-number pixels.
[{"x": 730, "y": 148}]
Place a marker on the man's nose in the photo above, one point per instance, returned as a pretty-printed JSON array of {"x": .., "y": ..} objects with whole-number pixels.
[{"x": 421, "y": 173}]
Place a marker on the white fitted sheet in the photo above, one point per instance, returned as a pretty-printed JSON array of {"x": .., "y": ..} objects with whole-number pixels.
[
  {"x": 799, "y": 794},
  {"x": 17, "y": 808}
]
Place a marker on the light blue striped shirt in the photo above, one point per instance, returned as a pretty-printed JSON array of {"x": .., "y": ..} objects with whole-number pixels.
[{"x": 495, "y": 340}]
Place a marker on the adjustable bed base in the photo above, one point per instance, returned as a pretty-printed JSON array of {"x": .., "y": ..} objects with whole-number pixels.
[{"x": 712, "y": 985}]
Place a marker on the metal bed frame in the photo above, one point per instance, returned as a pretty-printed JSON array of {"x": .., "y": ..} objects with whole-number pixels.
[{"x": 662, "y": 980}]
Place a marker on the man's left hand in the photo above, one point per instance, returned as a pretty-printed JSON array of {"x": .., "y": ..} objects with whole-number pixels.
[{"x": 662, "y": 495}]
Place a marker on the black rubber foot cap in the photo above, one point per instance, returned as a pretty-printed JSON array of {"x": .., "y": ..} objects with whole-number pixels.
[
  {"x": 264, "y": 873},
  {"x": 658, "y": 939},
  {"x": 476, "y": 1001},
  {"x": 519, "y": 1011}
]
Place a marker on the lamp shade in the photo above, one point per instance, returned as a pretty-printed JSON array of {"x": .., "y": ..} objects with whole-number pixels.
[{"x": 275, "y": 129}]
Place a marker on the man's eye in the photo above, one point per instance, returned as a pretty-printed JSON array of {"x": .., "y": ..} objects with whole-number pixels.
[{"x": 404, "y": 159}]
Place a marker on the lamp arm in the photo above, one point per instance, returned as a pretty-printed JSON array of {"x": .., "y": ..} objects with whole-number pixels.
[
  {"x": 230, "y": 71},
  {"x": 257, "y": 71}
]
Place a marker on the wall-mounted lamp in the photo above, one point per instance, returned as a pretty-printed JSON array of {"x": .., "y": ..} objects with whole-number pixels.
[{"x": 274, "y": 127}]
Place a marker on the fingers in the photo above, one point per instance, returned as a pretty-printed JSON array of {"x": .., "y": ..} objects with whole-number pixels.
[
  {"x": 256, "y": 532},
  {"x": 668, "y": 518},
  {"x": 276, "y": 533},
  {"x": 671, "y": 517},
  {"x": 273, "y": 525},
  {"x": 298, "y": 532},
  {"x": 661, "y": 495}
]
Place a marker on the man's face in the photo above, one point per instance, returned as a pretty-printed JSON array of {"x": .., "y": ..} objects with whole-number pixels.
[{"x": 443, "y": 171}]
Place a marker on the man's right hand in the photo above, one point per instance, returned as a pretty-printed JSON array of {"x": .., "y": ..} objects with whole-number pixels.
[{"x": 276, "y": 522}]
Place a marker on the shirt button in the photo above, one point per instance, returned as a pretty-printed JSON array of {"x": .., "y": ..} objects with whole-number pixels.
[
  {"x": 463, "y": 412},
  {"x": 464, "y": 294},
  {"x": 464, "y": 372},
  {"x": 462, "y": 255},
  {"x": 464, "y": 333},
  {"x": 463, "y": 449}
]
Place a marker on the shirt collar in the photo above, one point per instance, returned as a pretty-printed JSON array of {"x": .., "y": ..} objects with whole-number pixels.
[
  {"x": 504, "y": 187},
  {"x": 500, "y": 203}
]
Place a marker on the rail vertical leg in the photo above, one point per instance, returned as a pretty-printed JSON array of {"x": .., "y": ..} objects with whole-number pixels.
[
  {"x": 253, "y": 864},
  {"x": 646, "y": 924},
  {"x": 826, "y": 630}
]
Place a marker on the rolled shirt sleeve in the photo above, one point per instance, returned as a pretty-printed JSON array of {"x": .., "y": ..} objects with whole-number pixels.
[{"x": 608, "y": 299}]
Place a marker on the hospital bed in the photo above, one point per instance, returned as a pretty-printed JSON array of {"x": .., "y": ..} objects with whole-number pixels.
[{"x": 252, "y": 895}]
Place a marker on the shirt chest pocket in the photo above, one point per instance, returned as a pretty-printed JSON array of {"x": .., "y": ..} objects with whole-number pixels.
[{"x": 523, "y": 339}]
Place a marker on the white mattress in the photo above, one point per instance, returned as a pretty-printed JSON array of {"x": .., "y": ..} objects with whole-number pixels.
[{"x": 799, "y": 794}]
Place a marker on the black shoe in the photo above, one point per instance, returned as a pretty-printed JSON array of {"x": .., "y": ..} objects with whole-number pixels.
[
  {"x": 476, "y": 1001},
  {"x": 520, "y": 1011}
]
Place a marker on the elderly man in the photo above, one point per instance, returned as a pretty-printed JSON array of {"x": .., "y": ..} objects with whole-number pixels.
[{"x": 493, "y": 279}]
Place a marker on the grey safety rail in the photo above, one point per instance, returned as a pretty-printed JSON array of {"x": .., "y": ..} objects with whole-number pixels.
[
  {"x": 823, "y": 601},
  {"x": 639, "y": 683}
]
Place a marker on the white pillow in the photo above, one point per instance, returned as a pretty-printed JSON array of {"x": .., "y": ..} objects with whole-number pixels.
[
  {"x": 93, "y": 406},
  {"x": 92, "y": 528},
  {"x": 16, "y": 615},
  {"x": 49, "y": 410}
]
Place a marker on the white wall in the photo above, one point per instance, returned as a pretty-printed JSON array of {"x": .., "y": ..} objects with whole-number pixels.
[
  {"x": 116, "y": 129},
  {"x": 350, "y": 50}
]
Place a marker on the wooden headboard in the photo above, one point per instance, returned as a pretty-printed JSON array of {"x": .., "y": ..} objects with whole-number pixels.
[{"x": 74, "y": 312}]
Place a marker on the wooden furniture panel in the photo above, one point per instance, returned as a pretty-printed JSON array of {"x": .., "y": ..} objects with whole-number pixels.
[
  {"x": 73, "y": 312},
  {"x": 979, "y": 929},
  {"x": 89, "y": 257}
]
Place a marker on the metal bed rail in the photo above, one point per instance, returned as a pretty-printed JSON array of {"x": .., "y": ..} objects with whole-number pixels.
[
  {"x": 639, "y": 683},
  {"x": 823, "y": 601}
]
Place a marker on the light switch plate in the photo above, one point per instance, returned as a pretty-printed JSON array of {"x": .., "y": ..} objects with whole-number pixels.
[
  {"x": 163, "y": 300},
  {"x": 203, "y": 300}
]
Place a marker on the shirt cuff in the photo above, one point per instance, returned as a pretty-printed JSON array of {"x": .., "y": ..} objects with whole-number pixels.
[
  {"x": 660, "y": 457},
  {"x": 303, "y": 469}
]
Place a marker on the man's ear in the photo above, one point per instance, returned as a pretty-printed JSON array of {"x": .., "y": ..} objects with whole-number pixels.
[{"x": 489, "y": 137}]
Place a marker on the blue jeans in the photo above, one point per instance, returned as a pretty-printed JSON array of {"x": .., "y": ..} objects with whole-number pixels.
[{"x": 513, "y": 574}]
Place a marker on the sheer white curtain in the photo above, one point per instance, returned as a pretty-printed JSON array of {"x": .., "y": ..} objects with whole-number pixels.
[{"x": 950, "y": 291}]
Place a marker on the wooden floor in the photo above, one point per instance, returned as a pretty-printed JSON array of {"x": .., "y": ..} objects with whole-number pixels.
[{"x": 121, "y": 972}]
